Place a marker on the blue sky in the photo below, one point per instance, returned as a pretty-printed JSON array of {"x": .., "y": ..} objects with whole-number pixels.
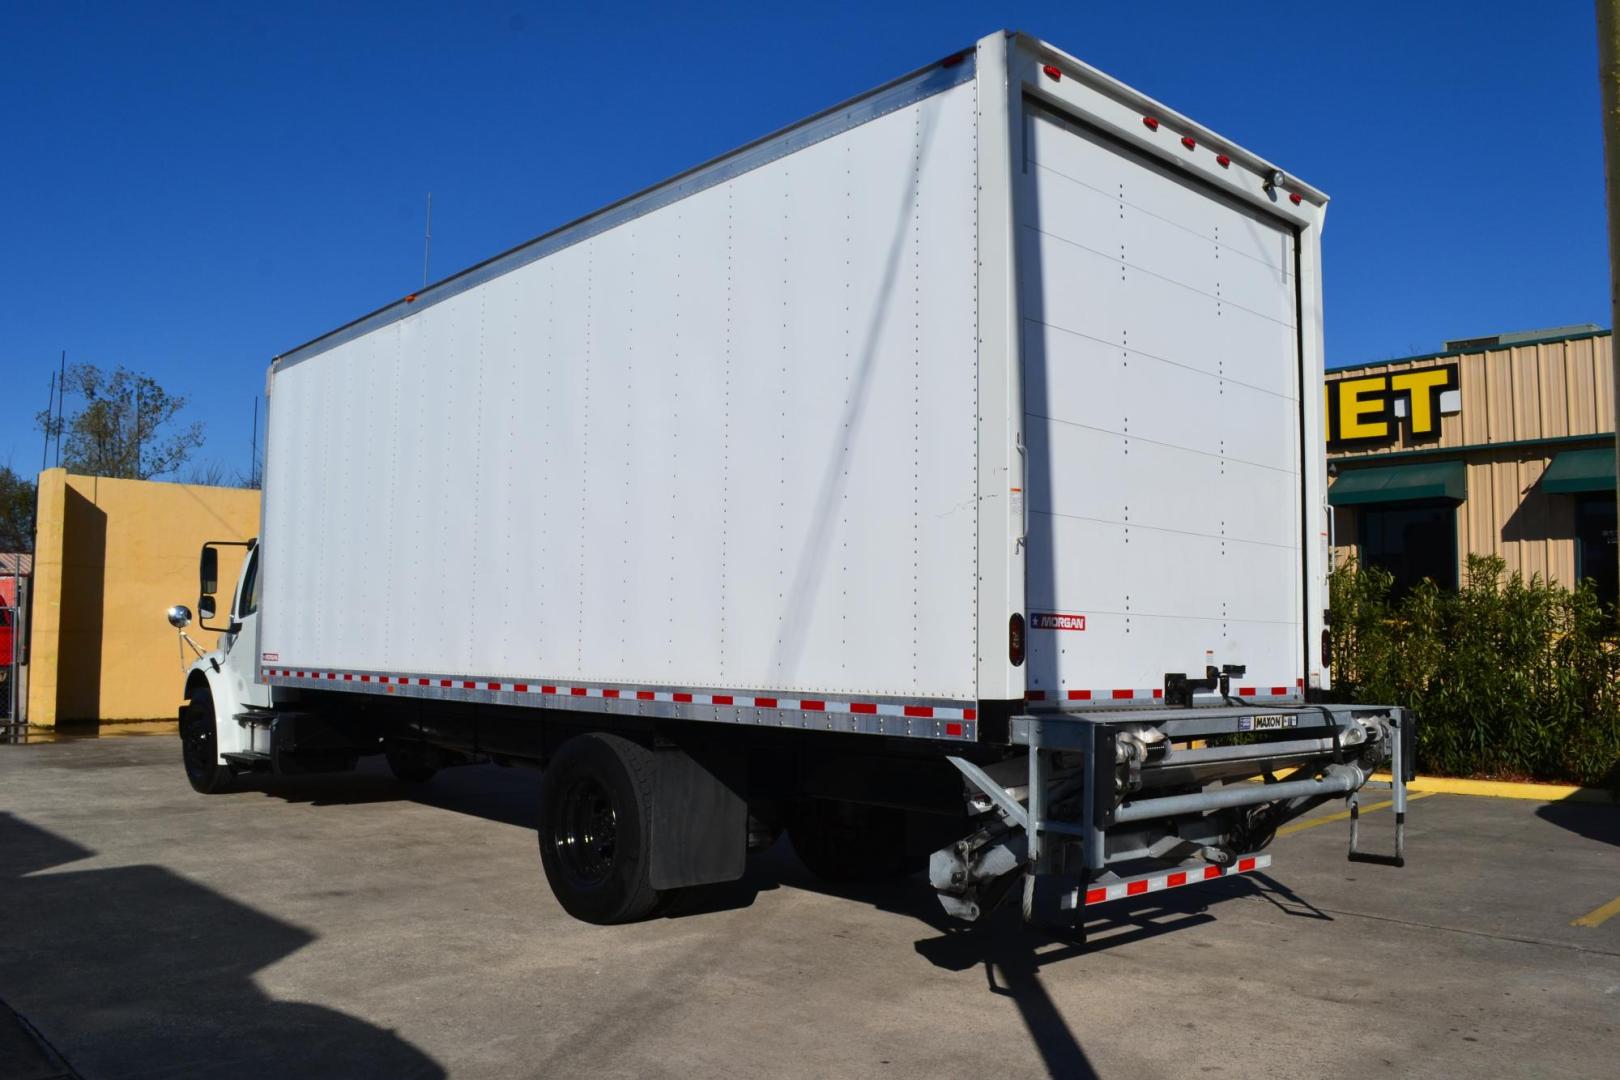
[{"x": 189, "y": 190}]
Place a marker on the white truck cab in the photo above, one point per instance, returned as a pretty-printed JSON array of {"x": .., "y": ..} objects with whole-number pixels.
[{"x": 220, "y": 684}]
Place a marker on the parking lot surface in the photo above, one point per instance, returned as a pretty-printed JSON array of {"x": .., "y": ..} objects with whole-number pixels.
[{"x": 353, "y": 926}]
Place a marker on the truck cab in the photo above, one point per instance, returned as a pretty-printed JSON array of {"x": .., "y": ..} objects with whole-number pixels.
[{"x": 220, "y": 683}]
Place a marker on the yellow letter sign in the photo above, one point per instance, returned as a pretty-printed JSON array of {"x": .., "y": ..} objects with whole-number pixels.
[{"x": 1361, "y": 409}]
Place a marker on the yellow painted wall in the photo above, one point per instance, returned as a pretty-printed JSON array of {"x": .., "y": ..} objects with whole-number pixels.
[{"x": 111, "y": 557}]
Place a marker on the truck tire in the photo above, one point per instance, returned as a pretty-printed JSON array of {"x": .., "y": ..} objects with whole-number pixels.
[
  {"x": 850, "y": 842},
  {"x": 596, "y": 799},
  {"x": 199, "y": 746}
]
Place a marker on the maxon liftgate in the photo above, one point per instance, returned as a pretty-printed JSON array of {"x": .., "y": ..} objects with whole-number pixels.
[{"x": 1113, "y": 804}]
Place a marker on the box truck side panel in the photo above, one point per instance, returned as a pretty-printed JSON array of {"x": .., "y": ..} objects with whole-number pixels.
[
  {"x": 727, "y": 442},
  {"x": 1162, "y": 388}
]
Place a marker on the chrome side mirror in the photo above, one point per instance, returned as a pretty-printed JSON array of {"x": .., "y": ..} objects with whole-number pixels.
[{"x": 179, "y": 616}]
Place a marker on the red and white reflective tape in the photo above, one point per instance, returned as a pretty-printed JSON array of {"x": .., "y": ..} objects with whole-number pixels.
[
  {"x": 953, "y": 715},
  {"x": 1174, "y": 879},
  {"x": 1155, "y": 695},
  {"x": 1271, "y": 691},
  {"x": 1094, "y": 695}
]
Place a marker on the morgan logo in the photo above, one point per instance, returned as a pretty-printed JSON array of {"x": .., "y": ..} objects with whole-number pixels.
[
  {"x": 1049, "y": 620},
  {"x": 270, "y": 657}
]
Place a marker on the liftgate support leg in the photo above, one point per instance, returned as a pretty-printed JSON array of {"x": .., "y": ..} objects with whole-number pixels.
[
  {"x": 1053, "y": 891},
  {"x": 1401, "y": 722},
  {"x": 1046, "y": 887},
  {"x": 1038, "y": 907}
]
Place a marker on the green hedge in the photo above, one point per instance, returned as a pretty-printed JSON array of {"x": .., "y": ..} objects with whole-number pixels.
[{"x": 1510, "y": 678}]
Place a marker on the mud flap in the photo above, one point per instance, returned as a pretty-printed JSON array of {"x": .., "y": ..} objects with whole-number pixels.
[{"x": 700, "y": 817}]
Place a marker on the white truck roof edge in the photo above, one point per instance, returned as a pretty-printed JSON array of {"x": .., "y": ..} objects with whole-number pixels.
[{"x": 932, "y": 78}]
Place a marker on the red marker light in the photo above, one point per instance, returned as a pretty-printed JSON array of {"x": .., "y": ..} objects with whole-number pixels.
[
  {"x": 952, "y": 61},
  {"x": 1053, "y": 73},
  {"x": 411, "y": 299},
  {"x": 1222, "y": 160},
  {"x": 1189, "y": 142},
  {"x": 1294, "y": 198},
  {"x": 1151, "y": 123}
]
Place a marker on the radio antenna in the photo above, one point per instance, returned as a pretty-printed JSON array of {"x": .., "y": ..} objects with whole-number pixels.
[{"x": 427, "y": 240}]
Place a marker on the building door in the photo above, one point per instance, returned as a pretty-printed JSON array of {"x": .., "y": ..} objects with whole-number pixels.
[{"x": 1595, "y": 550}]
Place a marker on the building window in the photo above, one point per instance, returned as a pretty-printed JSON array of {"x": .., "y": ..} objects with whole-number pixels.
[
  {"x": 1413, "y": 543},
  {"x": 1595, "y": 551}
]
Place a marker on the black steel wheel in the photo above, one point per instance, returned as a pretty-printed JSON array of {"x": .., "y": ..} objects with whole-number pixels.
[
  {"x": 595, "y": 828},
  {"x": 199, "y": 746},
  {"x": 585, "y": 833}
]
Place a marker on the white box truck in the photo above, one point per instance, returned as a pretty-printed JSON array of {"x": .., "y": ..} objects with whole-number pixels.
[{"x": 942, "y": 474}]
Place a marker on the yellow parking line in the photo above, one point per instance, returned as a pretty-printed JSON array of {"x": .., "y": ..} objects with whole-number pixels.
[
  {"x": 1507, "y": 789},
  {"x": 1344, "y": 815},
  {"x": 1601, "y": 915}
]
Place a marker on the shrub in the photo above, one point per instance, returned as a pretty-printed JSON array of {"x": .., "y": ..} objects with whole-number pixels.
[{"x": 1509, "y": 677}]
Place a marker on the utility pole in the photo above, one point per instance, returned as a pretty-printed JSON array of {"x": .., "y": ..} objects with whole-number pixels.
[{"x": 1608, "y": 35}]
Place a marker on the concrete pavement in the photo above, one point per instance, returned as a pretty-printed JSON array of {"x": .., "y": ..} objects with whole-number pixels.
[{"x": 351, "y": 926}]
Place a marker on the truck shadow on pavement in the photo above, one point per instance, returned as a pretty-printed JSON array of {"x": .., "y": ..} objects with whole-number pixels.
[
  {"x": 137, "y": 971},
  {"x": 1594, "y": 821},
  {"x": 1011, "y": 953},
  {"x": 506, "y": 795}
]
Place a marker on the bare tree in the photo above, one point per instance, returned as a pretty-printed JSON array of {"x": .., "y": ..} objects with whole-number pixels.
[
  {"x": 212, "y": 474},
  {"x": 126, "y": 427}
]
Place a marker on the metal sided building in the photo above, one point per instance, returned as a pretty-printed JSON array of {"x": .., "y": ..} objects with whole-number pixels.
[{"x": 1501, "y": 445}]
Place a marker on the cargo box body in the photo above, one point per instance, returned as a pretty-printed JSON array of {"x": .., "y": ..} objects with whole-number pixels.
[{"x": 801, "y": 437}]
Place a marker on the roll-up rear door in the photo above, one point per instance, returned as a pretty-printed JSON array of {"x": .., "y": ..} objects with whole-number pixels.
[{"x": 1162, "y": 396}]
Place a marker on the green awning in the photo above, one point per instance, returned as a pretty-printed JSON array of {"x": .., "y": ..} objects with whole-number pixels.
[
  {"x": 1575, "y": 471},
  {"x": 1400, "y": 483}
]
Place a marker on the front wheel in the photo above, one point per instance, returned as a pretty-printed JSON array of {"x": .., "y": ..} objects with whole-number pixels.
[
  {"x": 596, "y": 829},
  {"x": 199, "y": 746}
]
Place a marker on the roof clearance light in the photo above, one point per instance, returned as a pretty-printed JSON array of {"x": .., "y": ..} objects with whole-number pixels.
[
  {"x": 1152, "y": 123},
  {"x": 1053, "y": 73},
  {"x": 952, "y": 61},
  {"x": 1222, "y": 160},
  {"x": 1189, "y": 142},
  {"x": 1294, "y": 198}
]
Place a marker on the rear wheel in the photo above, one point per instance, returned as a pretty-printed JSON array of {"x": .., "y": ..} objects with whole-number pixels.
[
  {"x": 199, "y": 745},
  {"x": 849, "y": 842},
  {"x": 596, "y": 828}
]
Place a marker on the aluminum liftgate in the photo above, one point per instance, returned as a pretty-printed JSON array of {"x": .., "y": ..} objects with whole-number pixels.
[{"x": 1081, "y": 762}]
